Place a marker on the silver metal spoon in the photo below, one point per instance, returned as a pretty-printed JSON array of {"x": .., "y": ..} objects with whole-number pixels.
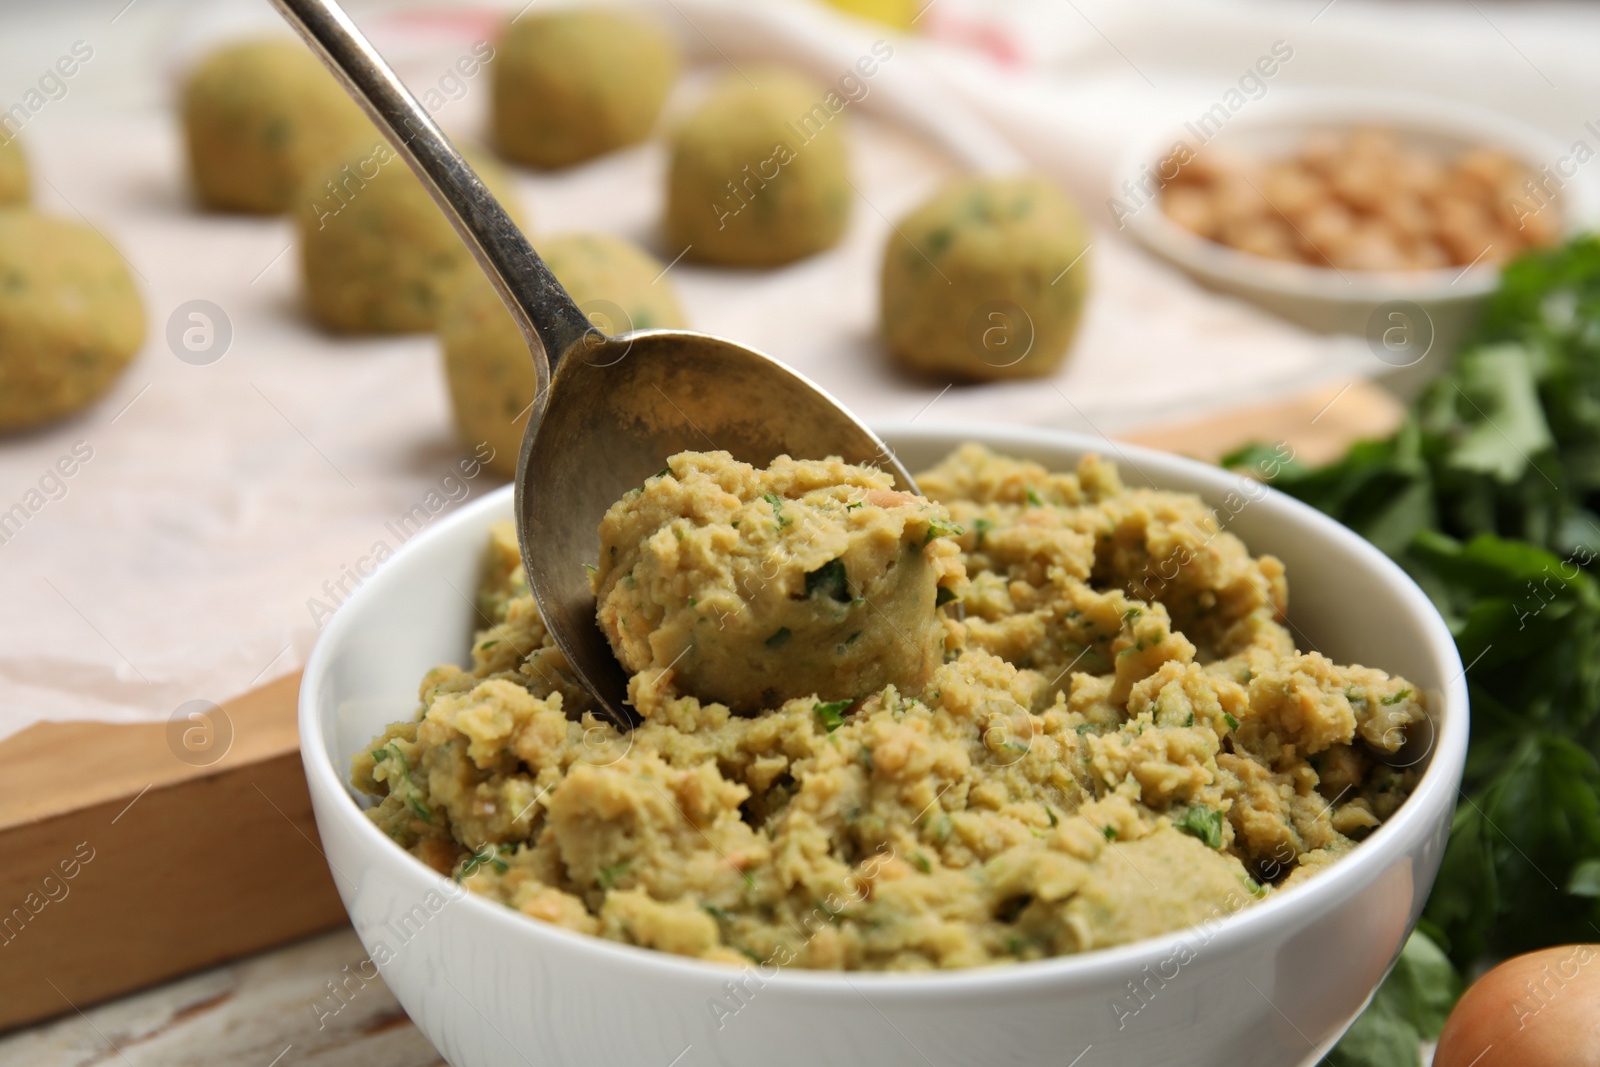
[{"x": 610, "y": 408}]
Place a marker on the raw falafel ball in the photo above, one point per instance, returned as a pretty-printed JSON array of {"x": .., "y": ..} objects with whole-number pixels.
[
  {"x": 377, "y": 255},
  {"x": 976, "y": 282},
  {"x": 70, "y": 317},
  {"x": 572, "y": 85},
  {"x": 486, "y": 360},
  {"x": 260, "y": 116},
  {"x": 13, "y": 172},
  {"x": 750, "y": 587},
  {"x": 759, "y": 173}
]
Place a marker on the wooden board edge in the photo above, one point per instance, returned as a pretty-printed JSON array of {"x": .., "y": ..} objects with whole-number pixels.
[
  {"x": 1318, "y": 426},
  {"x": 113, "y": 897},
  {"x": 55, "y": 768}
]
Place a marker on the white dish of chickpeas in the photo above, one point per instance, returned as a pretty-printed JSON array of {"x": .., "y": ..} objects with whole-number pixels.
[{"x": 1340, "y": 210}]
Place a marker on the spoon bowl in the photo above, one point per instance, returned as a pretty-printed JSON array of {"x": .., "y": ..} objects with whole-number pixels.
[
  {"x": 609, "y": 409},
  {"x": 619, "y": 406}
]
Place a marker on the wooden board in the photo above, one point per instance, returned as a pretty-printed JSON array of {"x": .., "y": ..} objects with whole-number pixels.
[
  {"x": 124, "y": 865},
  {"x": 1319, "y": 425}
]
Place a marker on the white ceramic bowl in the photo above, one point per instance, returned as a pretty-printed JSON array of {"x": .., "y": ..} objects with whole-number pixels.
[
  {"x": 1439, "y": 306},
  {"x": 1273, "y": 985}
]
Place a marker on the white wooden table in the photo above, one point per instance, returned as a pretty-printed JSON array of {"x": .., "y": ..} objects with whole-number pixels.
[{"x": 258, "y": 1012}]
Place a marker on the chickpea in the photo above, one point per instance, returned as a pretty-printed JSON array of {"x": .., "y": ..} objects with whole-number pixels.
[
  {"x": 1464, "y": 227},
  {"x": 1406, "y": 216},
  {"x": 1488, "y": 167},
  {"x": 1364, "y": 199},
  {"x": 1237, "y": 198},
  {"x": 1459, "y": 186},
  {"x": 1373, "y": 142},
  {"x": 1368, "y": 246},
  {"x": 1211, "y": 165},
  {"x": 1330, "y": 224},
  {"x": 1174, "y": 172},
  {"x": 1292, "y": 189},
  {"x": 1363, "y": 183},
  {"x": 1538, "y": 227},
  {"x": 1321, "y": 151},
  {"x": 1426, "y": 255},
  {"x": 1190, "y": 207},
  {"x": 1261, "y": 237},
  {"x": 1417, "y": 173}
]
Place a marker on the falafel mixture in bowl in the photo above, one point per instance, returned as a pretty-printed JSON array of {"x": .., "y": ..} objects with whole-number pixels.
[{"x": 1025, "y": 715}]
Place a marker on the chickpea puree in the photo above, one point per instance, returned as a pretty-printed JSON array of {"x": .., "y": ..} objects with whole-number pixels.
[{"x": 1082, "y": 721}]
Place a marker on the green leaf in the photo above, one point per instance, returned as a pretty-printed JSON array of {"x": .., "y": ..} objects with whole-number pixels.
[
  {"x": 942, "y": 528},
  {"x": 1259, "y": 458},
  {"x": 829, "y": 580},
  {"x": 1489, "y": 414},
  {"x": 1410, "y": 1007},
  {"x": 779, "y": 638},
  {"x": 1425, "y": 985},
  {"x": 1552, "y": 291},
  {"x": 830, "y": 713},
  {"x": 1537, "y": 812},
  {"x": 1584, "y": 881},
  {"x": 776, "y": 503},
  {"x": 1203, "y": 823},
  {"x": 1377, "y": 1038},
  {"x": 486, "y": 855}
]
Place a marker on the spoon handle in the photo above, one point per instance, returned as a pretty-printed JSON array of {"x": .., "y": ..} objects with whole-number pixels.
[{"x": 544, "y": 312}]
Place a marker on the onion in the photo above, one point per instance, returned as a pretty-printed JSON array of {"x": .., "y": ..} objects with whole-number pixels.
[{"x": 1538, "y": 1010}]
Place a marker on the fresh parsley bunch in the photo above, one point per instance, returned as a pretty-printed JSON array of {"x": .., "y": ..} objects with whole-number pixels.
[{"x": 1489, "y": 496}]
